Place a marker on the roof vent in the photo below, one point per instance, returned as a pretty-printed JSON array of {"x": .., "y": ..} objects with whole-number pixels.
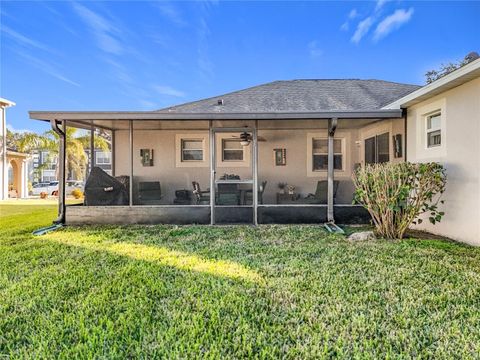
[{"x": 220, "y": 102}]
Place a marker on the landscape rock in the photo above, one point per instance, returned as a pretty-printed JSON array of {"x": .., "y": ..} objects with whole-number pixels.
[{"x": 362, "y": 236}]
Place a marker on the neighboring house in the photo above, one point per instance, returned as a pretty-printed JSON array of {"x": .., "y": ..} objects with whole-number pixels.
[
  {"x": 310, "y": 134},
  {"x": 103, "y": 160},
  {"x": 13, "y": 165},
  {"x": 44, "y": 165}
]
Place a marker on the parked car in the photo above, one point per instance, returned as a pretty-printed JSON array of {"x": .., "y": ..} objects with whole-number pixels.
[
  {"x": 45, "y": 187},
  {"x": 72, "y": 185}
]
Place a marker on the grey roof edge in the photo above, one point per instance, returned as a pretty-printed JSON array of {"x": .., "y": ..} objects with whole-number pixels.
[{"x": 154, "y": 115}]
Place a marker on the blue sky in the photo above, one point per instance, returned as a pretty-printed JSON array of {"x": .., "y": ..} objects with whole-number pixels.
[{"x": 139, "y": 55}]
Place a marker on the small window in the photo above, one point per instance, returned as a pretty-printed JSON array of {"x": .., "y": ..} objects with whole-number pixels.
[
  {"x": 192, "y": 149},
  {"x": 103, "y": 157},
  {"x": 434, "y": 134},
  {"x": 232, "y": 150},
  {"x": 320, "y": 154},
  {"x": 50, "y": 165}
]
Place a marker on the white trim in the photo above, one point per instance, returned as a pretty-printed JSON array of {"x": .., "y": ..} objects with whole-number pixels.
[
  {"x": 6, "y": 103},
  {"x": 455, "y": 78},
  {"x": 339, "y": 135},
  {"x": 342, "y": 152},
  {"x": 219, "y": 150},
  {"x": 192, "y": 136},
  {"x": 438, "y": 106},
  {"x": 426, "y": 117},
  {"x": 109, "y": 157}
]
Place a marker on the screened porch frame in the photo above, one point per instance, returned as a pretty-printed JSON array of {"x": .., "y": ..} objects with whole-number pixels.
[{"x": 93, "y": 120}]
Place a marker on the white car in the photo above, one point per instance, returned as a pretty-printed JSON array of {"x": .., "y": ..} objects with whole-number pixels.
[
  {"x": 51, "y": 188},
  {"x": 45, "y": 187},
  {"x": 72, "y": 185}
]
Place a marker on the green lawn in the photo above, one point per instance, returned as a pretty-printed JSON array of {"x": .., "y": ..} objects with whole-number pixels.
[{"x": 211, "y": 292}]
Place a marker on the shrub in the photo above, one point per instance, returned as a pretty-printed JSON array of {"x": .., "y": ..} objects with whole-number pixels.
[
  {"x": 77, "y": 193},
  {"x": 396, "y": 195}
]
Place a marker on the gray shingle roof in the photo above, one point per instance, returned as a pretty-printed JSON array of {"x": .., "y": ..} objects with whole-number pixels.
[{"x": 302, "y": 96}]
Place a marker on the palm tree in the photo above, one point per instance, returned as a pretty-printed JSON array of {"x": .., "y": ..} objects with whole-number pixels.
[{"x": 76, "y": 158}]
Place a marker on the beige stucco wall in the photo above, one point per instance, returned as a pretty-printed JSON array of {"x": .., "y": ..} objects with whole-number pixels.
[
  {"x": 296, "y": 172},
  {"x": 164, "y": 170},
  {"x": 296, "y": 141},
  {"x": 459, "y": 152}
]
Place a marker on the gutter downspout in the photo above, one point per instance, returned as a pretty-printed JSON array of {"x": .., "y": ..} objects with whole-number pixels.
[
  {"x": 92, "y": 147},
  {"x": 332, "y": 126},
  {"x": 61, "y": 170}
]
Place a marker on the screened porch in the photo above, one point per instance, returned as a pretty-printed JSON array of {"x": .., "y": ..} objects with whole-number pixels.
[{"x": 206, "y": 171}]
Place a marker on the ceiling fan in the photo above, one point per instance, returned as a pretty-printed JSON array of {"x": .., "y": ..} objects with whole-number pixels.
[{"x": 246, "y": 138}]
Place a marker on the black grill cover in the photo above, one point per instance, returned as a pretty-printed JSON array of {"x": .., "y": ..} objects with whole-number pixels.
[{"x": 103, "y": 189}]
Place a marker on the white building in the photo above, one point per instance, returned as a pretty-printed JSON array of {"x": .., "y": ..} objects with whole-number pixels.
[{"x": 13, "y": 165}]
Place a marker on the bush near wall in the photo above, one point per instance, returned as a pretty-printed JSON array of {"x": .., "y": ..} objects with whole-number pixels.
[{"x": 398, "y": 195}]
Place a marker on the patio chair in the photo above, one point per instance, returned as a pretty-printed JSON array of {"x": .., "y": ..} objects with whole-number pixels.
[
  {"x": 149, "y": 192},
  {"x": 249, "y": 194},
  {"x": 200, "y": 197},
  {"x": 321, "y": 193},
  {"x": 228, "y": 194}
]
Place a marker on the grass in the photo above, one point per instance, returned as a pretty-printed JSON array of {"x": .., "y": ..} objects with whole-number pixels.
[{"x": 215, "y": 292}]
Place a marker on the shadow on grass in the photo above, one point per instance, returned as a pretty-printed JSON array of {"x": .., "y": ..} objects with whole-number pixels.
[
  {"x": 159, "y": 255},
  {"x": 81, "y": 298}
]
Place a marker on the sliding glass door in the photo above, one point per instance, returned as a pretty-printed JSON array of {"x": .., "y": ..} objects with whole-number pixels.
[{"x": 377, "y": 149}]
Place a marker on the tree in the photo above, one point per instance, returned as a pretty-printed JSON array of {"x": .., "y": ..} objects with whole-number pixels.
[
  {"x": 446, "y": 69},
  {"x": 76, "y": 158}
]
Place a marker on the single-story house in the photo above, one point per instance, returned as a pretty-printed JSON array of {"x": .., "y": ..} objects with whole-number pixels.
[
  {"x": 13, "y": 164},
  {"x": 282, "y": 152}
]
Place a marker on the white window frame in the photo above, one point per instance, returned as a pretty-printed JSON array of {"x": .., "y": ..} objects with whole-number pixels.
[
  {"x": 346, "y": 138},
  {"x": 241, "y": 148},
  {"x": 342, "y": 153},
  {"x": 418, "y": 131},
  {"x": 202, "y": 148},
  {"x": 97, "y": 153},
  {"x": 434, "y": 129},
  {"x": 219, "y": 137},
  {"x": 180, "y": 138}
]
